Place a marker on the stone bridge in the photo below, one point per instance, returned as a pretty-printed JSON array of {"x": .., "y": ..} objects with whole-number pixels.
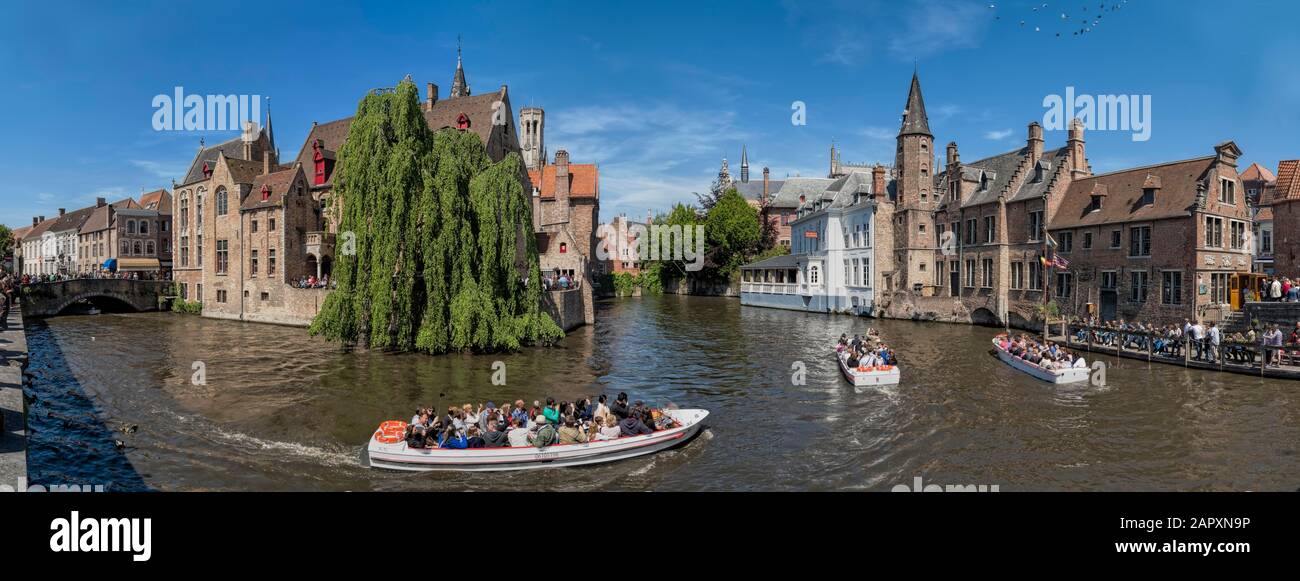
[{"x": 47, "y": 299}]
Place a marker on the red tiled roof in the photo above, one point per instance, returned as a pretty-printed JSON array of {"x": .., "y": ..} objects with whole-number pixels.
[
  {"x": 160, "y": 200},
  {"x": 584, "y": 180},
  {"x": 1257, "y": 173},
  {"x": 478, "y": 108},
  {"x": 1177, "y": 194},
  {"x": 277, "y": 182},
  {"x": 1288, "y": 181}
]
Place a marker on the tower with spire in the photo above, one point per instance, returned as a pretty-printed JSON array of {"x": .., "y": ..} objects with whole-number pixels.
[
  {"x": 744, "y": 165},
  {"x": 914, "y": 202},
  {"x": 459, "y": 88}
]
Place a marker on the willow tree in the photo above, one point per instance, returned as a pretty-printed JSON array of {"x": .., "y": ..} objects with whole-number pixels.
[{"x": 438, "y": 252}]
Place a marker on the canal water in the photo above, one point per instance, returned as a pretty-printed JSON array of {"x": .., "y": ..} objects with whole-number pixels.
[{"x": 278, "y": 410}]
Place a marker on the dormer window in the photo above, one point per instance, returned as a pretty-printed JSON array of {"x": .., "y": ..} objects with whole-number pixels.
[
  {"x": 1148, "y": 196},
  {"x": 207, "y": 170},
  {"x": 985, "y": 182},
  {"x": 266, "y": 193},
  {"x": 462, "y": 122},
  {"x": 564, "y": 247}
]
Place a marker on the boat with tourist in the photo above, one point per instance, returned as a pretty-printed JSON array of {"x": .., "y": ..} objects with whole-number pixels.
[
  {"x": 1048, "y": 362},
  {"x": 866, "y": 361},
  {"x": 389, "y": 449}
]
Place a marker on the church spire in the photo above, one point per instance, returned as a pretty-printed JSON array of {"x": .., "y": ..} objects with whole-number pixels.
[
  {"x": 459, "y": 88},
  {"x": 270, "y": 134},
  {"x": 744, "y": 165},
  {"x": 915, "y": 121}
]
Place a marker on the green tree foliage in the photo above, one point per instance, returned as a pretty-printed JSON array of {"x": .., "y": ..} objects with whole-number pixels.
[
  {"x": 6, "y": 240},
  {"x": 445, "y": 258},
  {"x": 733, "y": 233}
]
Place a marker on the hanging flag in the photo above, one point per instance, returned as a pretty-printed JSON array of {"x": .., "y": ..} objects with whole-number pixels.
[
  {"x": 1060, "y": 261},
  {"x": 1046, "y": 263},
  {"x": 1050, "y": 242}
]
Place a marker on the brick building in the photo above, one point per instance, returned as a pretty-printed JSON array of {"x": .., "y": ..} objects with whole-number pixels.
[
  {"x": 1259, "y": 184},
  {"x": 990, "y": 223},
  {"x": 127, "y": 236},
  {"x": 1156, "y": 243},
  {"x": 1286, "y": 218}
]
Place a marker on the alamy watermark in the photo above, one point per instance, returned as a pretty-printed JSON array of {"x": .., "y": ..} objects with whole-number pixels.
[
  {"x": 1100, "y": 113},
  {"x": 639, "y": 243},
  {"x": 182, "y": 112}
]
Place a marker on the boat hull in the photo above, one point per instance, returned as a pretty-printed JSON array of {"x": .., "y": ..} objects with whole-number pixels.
[
  {"x": 399, "y": 457},
  {"x": 868, "y": 378},
  {"x": 1072, "y": 375}
]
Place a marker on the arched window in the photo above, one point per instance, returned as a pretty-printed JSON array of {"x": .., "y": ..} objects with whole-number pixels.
[
  {"x": 221, "y": 201},
  {"x": 144, "y": 227},
  {"x": 149, "y": 248},
  {"x": 139, "y": 248},
  {"x": 812, "y": 274},
  {"x": 185, "y": 210},
  {"x": 130, "y": 226},
  {"x": 126, "y": 248}
]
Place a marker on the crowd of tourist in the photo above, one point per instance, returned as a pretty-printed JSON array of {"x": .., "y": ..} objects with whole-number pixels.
[
  {"x": 313, "y": 282},
  {"x": 1194, "y": 340},
  {"x": 1280, "y": 289},
  {"x": 8, "y": 287},
  {"x": 560, "y": 282},
  {"x": 539, "y": 425},
  {"x": 95, "y": 275},
  {"x": 865, "y": 351},
  {"x": 1047, "y": 355}
]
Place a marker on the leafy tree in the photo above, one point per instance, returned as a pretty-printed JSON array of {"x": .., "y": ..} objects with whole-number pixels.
[
  {"x": 6, "y": 240},
  {"x": 732, "y": 231},
  {"x": 445, "y": 258}
]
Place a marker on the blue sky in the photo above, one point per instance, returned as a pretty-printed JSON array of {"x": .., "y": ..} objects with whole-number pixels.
[{"x": 655, "y": 92}]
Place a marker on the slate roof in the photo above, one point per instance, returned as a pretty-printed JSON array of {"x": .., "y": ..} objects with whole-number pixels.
[
  {"x": 39, "y": 229},
  {"x": 233, "y": 149},
  {"x": 783, "y": 261},
  {"x": 71, "y": 220},
  {"x": 998, "y": 170},
  {"x": 1176, "y": 197},
  {"x": 915, "y": 120}
]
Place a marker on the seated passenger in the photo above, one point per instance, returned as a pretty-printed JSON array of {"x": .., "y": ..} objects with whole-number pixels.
[
  {"x": 610, "y": 431},
  {"x": 518, "y": 434},
  {"x": 569, "y": 432},
  {"x": 494, "y": 437},
  {"x": 633, "y": 426},
  {"x": 545, "y": 435},
  {"x": 453, "y": 439},
  {"x": 475, "y": 440}
]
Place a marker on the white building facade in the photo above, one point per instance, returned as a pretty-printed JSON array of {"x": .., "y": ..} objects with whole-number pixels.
[{"x": 832, "y": 262}]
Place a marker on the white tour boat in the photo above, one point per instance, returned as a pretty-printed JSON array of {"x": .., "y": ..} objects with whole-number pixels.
[
  {"x": 388, "y": 450},
  {"x": 868, "y": 376},
  {"x": 1071, "y": 375}
]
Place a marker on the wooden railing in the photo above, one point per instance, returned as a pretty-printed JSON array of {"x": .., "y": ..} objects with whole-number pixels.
[{"x": 1229, "y": 353}]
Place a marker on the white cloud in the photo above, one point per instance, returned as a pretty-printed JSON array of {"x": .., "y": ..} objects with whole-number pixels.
[
  {"x": 998, "y": 135},
  {"x": 651, "y": 155},
  {"x": 934, "y": 27},
  {"x": 159, "y": 169}
]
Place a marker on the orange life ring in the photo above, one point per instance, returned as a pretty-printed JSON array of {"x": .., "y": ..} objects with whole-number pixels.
[
  {"x": 391, "y": 432},
  {"x": 885, "y": 367}
]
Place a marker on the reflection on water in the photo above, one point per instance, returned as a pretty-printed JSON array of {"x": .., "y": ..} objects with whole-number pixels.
[{"x": 281, "y": 410}]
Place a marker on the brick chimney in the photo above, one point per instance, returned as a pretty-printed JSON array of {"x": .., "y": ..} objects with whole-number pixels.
[
  {"x": 878, "y": 181},
  {"x": 1078, "y": 156},
  {"x": 36, "y": 220},
  {"x": 562, "y": 184},
  {"x": 61, "y": 211},
  {"x": 430, "y": 96},
  {"x": 766, "y": 191},
  {"x": 1035, "y": 142},
  {"x": 953, "y": 157},
  {"x": 99, "y": 202},
  {"x": 266, "y": 162}
]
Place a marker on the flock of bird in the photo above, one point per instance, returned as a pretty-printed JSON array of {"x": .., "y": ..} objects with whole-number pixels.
[{"x": 1087, "y": 23}]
